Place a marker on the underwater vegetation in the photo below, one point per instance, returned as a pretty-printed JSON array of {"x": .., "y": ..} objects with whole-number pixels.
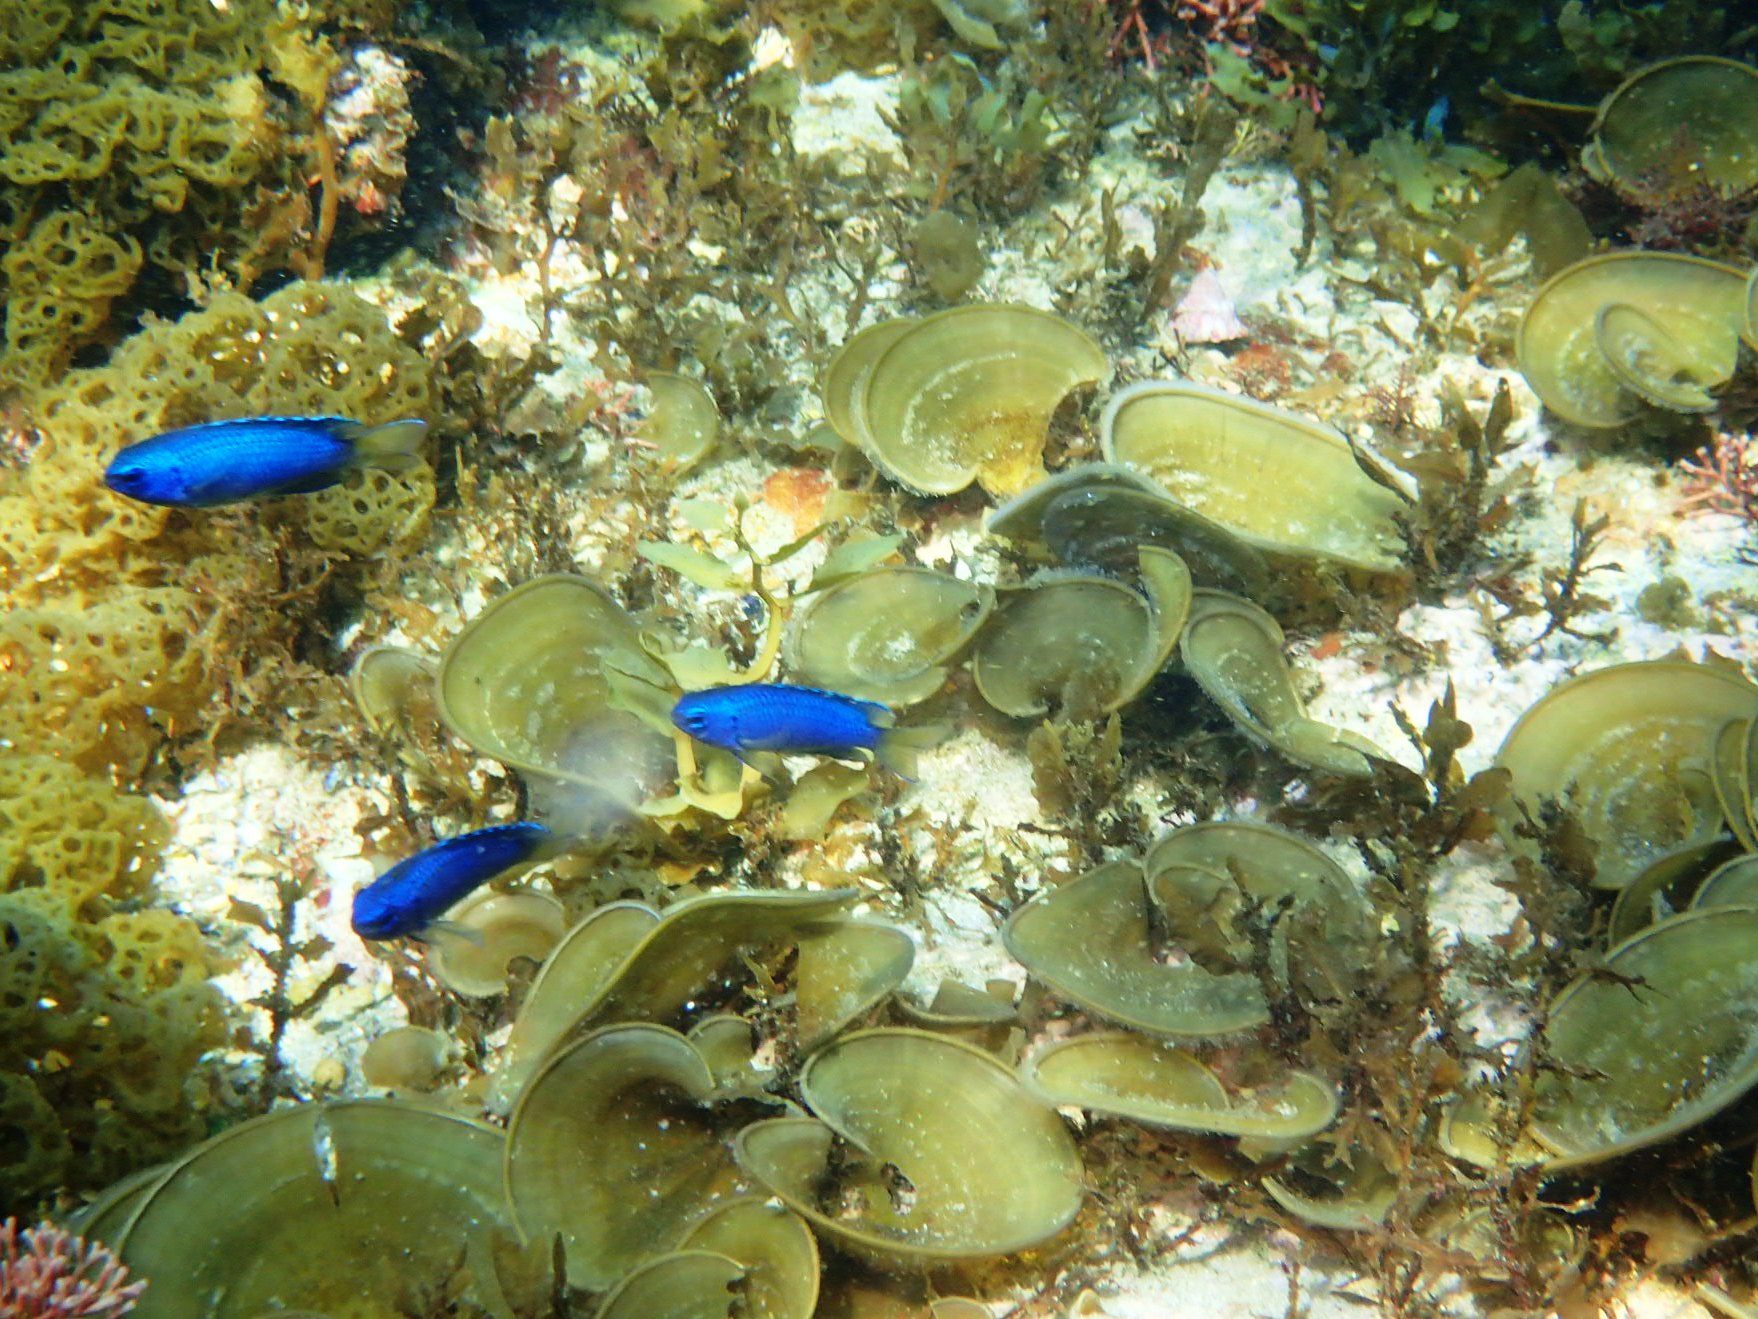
[
  {"x": 806, "y": 383},
  {"x": 1380, "y": 65}
]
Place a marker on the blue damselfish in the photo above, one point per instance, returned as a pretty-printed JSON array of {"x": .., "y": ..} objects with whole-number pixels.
[
  {"x": 414, "y": 893},
  {"x": 773, "y": 716},
  {"x": 222, "y": 462}
]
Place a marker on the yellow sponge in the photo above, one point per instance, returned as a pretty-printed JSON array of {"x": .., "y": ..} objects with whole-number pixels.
[{"x": 105, "y": 1010}]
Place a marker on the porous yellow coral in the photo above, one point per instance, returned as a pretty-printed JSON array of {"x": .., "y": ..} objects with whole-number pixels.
[
  {"x": 105, "y": 1008},
  {"x": 147, "y": 131},
  {"x": 103, "y": 680},
  {"x": 124, "y": 616},
  {"x": 61, "y": 279}
]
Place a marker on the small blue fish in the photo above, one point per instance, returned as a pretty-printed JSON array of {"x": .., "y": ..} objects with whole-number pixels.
[
  {"x": 1434, "y": 123},
  {"x": 414, "y": 893},
  {"x": 222, "y": 462},
  {"x": 773, "y": 716}
]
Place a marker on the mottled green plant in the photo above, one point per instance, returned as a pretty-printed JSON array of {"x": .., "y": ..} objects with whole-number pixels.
[
  {"x": 1387, "y": 64},
  {"x": 971, "y": 137}
]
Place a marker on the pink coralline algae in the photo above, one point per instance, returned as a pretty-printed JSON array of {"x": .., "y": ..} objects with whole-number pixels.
[
  {"x": 1723, "y": 477},
  {"x": 1207, "y": 314},
  {"x": 369, "y": 120},
  {"x": 46, "y": 1273}
]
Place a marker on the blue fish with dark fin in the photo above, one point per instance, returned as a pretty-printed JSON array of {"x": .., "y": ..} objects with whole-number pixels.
[
  {"x": 415, "y": 892},
  {"x": 223, "y": 462},
  {"x": 774, "y": 716}
]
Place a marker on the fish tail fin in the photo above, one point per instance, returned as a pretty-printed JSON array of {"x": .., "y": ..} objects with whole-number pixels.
[
  {"x": 879, "y": 716},
  {"x": 898, "y": 748},
  {"x": 553, "y": 842},
  {"x": 392, "y": 445}
]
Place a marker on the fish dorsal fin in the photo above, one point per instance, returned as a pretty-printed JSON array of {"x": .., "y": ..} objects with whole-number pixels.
[
  {"x": 393, "y": 445},
  {"x": 880, "y": 716},
  {"x": 242, "y": 428}
]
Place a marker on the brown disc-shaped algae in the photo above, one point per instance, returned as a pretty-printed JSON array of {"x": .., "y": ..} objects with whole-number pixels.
[
  {"x": 958, "y": 1004},
  {"x": 524, "y": 683},
  {"x": 1662, "y": 888},
  {"x": 888, "y": 635},
  {"x": 406, "y": 1058},
  {"x": 105, "y": 1217},
  {"x": 989, "y": 1169},
  {"x": 1678, "y": 125},
  {"x": 1730, "y": 766},
  {"x": 1627, "y": 749},
  {"x": 1348, "y": 1190},
  {"x": 394, "y": 690},
  {"x": 1098, "y": 515},
  {"x": 1272, "y": 862},
  {"x": 844, "y": 382},
  {"x": 1483, "y": 1234},
  {"x": 1483, "y": 1127},
  {"x": 1233, "y": 650},
  {"x": 986, "y": 1018},
  {"x": 1213, "y": 882},
  {"x": 338, "y": 1205},
  {"x": 685, "y": 1284},
  {"x": 576, "y": 971},
  {"x": 594, "y": 977},
  {"x": 682, "y": 425},
  {"x": 1734, "y": 883},
  {"x": 844, "y": 969},
  {"x": 1161, "y": 1085},
  {"x": 393, "y": 686},
  {"x": 728, "y": 1044},
  {"x": 1750, "y": 332},
  {"x": 1657, "y": 365},
  {"x": 698, "y": 941},
  {"x": 1274, "y": 479},
  {"x": 817, "y": 795},
  {"x": 1632, "y": 1070},
  {"x": 967, "y": 394},
  {"x": 1071, "y": 643},
  {"x": 1091, "y": 940},
  {"x": 471, "y": 951},
  {"x": 1083, "y": 645},
  {"x": 846, "y": 1298},
  {"x": 1751, "y": 783},
  {"x": 776, "y": 1248},
  {"x": 612, "y": 1147},
  {"x": 1683, "y": 314},
  {"x": 1743, "y": 789}
]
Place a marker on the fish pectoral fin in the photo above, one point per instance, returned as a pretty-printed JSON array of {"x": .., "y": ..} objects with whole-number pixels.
[
  {"x": 392, "y": 445},
  {"x": 767, "y": 775},
  {"x": 309, "y": 486}
]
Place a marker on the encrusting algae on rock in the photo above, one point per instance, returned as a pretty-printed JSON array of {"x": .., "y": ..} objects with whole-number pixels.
[{"x": 1203, "y": 428}]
